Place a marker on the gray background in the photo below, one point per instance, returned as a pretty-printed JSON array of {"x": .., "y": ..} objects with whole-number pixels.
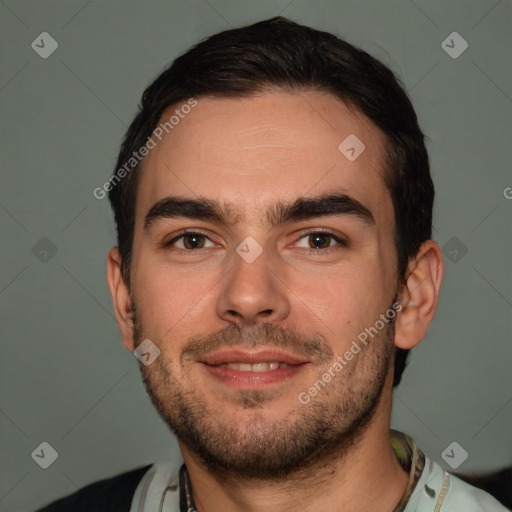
[{"x": 66, "y": 378}]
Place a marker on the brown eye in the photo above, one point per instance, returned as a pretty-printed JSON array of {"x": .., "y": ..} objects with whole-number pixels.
[
  {"x": 320, "y": 240},
  {"x": 193, "y": 241},
  {"x": 189, "y": 241}
]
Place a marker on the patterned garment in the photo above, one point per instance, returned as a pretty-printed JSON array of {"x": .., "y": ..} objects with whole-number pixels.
[
  {"x": 167, "y": 487},
  {"x": 412, "y": 459}
]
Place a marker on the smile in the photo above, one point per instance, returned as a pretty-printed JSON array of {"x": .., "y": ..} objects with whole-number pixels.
[{"x": 256, "y": 367}]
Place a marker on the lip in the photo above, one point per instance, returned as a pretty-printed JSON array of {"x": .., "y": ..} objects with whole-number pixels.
[
  {"x": 252, "y": 380},
  {"x": 215, "y": 365},
  {"x": 252, "y": 357}
]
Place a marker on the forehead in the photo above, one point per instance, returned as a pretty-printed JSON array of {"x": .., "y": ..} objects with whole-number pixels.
[{"x": 248, "y": 153}]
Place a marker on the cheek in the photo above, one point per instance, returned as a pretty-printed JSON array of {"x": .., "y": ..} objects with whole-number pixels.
[
  {"x": 171, "y": 301},
  {"x": 344, "y": 300}
]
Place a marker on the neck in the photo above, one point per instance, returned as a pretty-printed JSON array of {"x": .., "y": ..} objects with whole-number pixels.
[{"x": 368, "y": 477}]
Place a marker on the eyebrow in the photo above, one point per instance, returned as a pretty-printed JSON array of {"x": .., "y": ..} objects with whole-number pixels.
[{"x": 302, "y": 208}]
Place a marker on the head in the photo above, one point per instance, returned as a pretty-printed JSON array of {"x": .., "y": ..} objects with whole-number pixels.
[{"x": 304, "y": 241}]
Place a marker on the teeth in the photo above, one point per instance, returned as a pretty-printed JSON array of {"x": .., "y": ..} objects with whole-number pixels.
[{"x": 256, "y": 367}]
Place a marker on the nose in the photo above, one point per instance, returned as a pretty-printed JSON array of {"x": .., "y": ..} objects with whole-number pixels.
[{"x": 253, "y": 293}]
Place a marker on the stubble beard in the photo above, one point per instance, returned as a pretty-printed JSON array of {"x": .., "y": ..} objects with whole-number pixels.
[{"x": 258, "y": 447}]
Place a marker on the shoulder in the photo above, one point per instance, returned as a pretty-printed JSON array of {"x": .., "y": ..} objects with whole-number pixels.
[
  {"x": 463, "y": 496},
  {"x": 115, "y": 493},
  {"x": 439, "y": 490}
]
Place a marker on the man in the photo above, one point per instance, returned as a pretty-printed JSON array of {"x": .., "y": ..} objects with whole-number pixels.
[{"x": 274, "y": 265}]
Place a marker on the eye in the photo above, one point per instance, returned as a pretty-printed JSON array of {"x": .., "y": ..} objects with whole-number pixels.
[
  {"x": 189, "y": 241},
  {"x": 322, "y": 240}
]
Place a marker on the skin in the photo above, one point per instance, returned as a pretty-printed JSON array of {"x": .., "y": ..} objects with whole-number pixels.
[{"x": 250, "y": 153}]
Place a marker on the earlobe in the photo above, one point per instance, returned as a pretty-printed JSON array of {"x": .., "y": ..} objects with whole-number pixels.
[
  {"x": 420, "y": 295},
  {"x": 121, "y": 297}
]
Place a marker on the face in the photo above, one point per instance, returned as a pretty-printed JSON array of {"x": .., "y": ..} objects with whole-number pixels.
[{"x": 258, "y": 289}]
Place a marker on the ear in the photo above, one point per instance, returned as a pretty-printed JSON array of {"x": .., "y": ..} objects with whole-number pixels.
[
  {"x": 121, "y": 297},
  {"x": 419, "y": 295}
]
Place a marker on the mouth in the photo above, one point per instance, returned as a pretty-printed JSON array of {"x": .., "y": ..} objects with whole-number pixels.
[
  {"x": 241, "y": 369},
  {"x": 256, "y": 367}
]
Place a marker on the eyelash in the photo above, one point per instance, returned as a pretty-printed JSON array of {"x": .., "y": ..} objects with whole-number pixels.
[{"x": 340, "y": 241}]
